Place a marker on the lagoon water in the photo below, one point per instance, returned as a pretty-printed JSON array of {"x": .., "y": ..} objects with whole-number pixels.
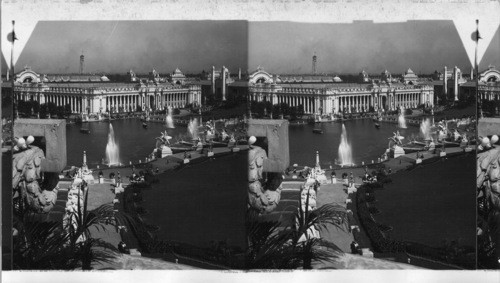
[
  {"x": 134, "y": 142},
  {"x": 367, "y": 142}
]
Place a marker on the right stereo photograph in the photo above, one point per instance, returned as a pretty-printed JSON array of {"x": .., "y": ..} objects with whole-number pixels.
[{"x": 488, "y": 169}]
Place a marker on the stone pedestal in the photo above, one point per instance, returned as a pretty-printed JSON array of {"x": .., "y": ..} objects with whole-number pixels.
[
  {"x": 398, "y": 151},
  {"x": 276, "y": 132},
  {"x": 54, "y": 133},
  {"x": 487, "y": 127}
]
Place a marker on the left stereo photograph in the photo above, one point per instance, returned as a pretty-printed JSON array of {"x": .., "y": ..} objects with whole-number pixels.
[{"x": 126, "y": 156}]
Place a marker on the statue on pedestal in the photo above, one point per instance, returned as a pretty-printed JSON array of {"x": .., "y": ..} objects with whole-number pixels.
[
  {"x": 488, "y": 184},
  {"x": 26, "y": 176},
  {"x": 263, "y": 196}
]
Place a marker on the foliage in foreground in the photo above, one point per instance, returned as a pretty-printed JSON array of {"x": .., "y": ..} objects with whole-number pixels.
[
  {"x": 42, "y": 245},
  {"x": 272, "y": 246}
]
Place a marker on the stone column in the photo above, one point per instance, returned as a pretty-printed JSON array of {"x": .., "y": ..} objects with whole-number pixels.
[{"x": 223, "y": 73}]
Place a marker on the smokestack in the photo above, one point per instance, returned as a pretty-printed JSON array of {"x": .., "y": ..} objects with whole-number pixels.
[
  {"x": 445, "y": 82},
  {"x": 314, "y": 61},
  {"x": 82, "y": 62},
  {"x": 239, "y": 74}
]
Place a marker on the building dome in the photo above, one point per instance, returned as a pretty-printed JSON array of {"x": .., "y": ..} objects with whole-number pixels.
[{"x": 337, "y": 79}]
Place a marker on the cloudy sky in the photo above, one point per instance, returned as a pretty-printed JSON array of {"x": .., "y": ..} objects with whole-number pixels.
[
  {"x": 118, "y": 46},
  {"x": 423, "y": 46},
  {"x": 279, "y": 47}
]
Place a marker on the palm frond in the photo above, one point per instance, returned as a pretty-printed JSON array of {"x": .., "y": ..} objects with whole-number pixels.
[{"x": 274, "y": 246}]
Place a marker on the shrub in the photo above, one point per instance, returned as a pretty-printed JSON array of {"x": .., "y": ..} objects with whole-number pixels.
[{"x": 377, "y": 238}]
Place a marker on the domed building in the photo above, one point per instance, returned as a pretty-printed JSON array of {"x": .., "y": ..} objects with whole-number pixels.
[
  {"x": 94, "y": 94},
  {"x": 409, "y": 77},
  {"x": 177, "y": 77},
  {"x": 336, "y": 79},
  {"x": 325, "y": 95}
]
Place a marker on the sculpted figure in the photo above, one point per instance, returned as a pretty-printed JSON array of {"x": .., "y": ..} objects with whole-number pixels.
[
  {"x": 488, "y": 178},
  {"x": 308, "y": 191},
  {"x": 26, "y": 176},
  {"x": 262, "y": 196}
]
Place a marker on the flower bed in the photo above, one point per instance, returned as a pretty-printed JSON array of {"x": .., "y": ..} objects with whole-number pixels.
[
  {"x": 218, "y": 256},
  {"x": 461, "y": 258}
]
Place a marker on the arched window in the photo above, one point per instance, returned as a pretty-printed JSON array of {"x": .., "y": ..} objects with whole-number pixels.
[{"x": 492, "y": 79}]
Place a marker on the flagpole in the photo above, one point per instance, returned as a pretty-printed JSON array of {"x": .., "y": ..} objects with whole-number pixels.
[
  {"x": 12, "y": 55},
  {"x": 476, "y": 66},
  {"x": 12, "y": 69}
]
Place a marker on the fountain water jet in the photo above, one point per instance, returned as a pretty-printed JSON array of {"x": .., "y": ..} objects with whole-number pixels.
[
  {"x": 169, "y": 122},
  {"x": 425, "y": 128},
  {"x": 112, "y": 152},
  {"x": 345, "y": 152},
  {"x": 193, "y": 128},
  {"x": 401, "y": 119}
]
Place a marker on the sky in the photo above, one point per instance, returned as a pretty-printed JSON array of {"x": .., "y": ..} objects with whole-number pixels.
[
  {"x": 118, "y": 46},
  {"x": 423, "y": 46},
  {"x": 278, "y": 47}
]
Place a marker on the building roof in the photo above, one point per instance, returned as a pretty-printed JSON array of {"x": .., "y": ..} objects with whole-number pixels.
[
  {"x": 73, "y": 78},
  {"x": 240, "y": 84},
  {"x": 92, "y": 84},
  {"x": 200, "y": 82},
  {"x": 307, "y": 78},
  {"x": 326, "y": 85}
]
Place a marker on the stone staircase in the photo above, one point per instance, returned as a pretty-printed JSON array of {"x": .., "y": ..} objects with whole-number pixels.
[
  {"x": 57, "y": 213},
  {"x": 289, "y": 204}
]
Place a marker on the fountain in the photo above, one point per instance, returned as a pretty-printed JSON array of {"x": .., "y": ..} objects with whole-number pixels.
[
  {"x": 425, "y": 128},
  {"x": 401, "y": 118},
  {"x": 193, "y": 128},
  {"x": 112, "y": 154},
  {"x": 345, "y": 153},
  {"x": 169, "y": 122}
]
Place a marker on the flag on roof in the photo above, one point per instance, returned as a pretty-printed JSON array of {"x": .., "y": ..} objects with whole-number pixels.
[{"x": 11, "y": 37}]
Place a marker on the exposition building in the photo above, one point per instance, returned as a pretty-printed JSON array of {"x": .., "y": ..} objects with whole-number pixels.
[
  {"x": 317, "y": 94},
  {"x": 93, "y": 94},
  {"x": 328, "y": 95}
]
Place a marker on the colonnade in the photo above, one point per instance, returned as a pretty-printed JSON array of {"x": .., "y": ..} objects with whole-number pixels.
[
  {"x": 126, "y": 102},
  {"x": 348, "y": 103}
]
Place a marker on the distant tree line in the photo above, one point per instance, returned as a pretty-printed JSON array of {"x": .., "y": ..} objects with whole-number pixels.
[
  {"x": 32, "y": 108},
  {"x": 267, "y": 109}
]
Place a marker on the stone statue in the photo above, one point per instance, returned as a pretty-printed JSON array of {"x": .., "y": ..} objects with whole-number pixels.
[
  {"x": 25, "y": 179},
  {"x": 262, "y": 196},
  {"x": 310, "y": 190},
  {"x": 488, "y": 183}
]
